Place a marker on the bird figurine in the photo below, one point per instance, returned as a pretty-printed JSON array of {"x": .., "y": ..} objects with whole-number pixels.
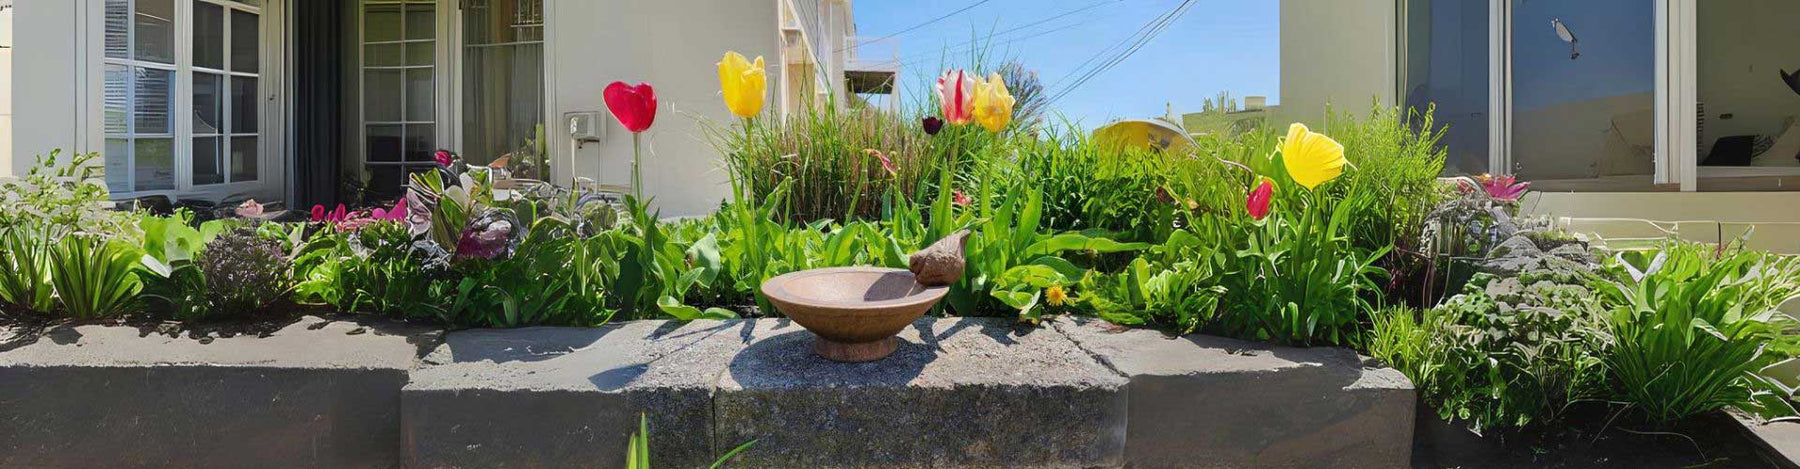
[
  {"x": 1792, "y": 80},
  {"x": 1562, "y": 32}
]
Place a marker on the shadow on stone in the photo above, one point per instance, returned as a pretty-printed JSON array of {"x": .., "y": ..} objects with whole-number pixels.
[{"x": 787, "y": 359}]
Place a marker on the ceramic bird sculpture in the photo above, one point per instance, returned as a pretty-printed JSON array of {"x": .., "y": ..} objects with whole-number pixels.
[
  {"x": 1562, "y": 32},
  {"x": 941, "y": 263}
]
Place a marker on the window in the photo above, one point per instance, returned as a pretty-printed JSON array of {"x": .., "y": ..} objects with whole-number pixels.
[
  {"x": 1446, "y": 57},
  {"x": 175, "y": 121},
  {"x": 1583, "y": 82},
  {"x": 503, "y": 83},
  {"x": 399, "y": 89}
]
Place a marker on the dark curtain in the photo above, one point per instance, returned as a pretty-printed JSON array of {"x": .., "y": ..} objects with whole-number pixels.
[{"x": 318, "y": 92}]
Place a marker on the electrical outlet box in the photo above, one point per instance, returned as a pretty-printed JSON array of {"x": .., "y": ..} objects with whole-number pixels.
[{"x": 584, "y": 127}]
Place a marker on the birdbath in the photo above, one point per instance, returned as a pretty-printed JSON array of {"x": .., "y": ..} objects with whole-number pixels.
[{"x": 856, "y": 311}]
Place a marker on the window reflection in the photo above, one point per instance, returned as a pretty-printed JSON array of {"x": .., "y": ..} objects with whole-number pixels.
[
  {"x": 1447, "y": 67},
  {"x": 1583, "y": 76}
]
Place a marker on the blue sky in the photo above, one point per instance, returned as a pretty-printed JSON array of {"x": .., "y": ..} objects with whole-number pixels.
[{"x": 1219, "y": 45}]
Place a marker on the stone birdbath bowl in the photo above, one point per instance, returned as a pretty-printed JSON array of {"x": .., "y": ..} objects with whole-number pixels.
[{"x": 856, "y": 311}]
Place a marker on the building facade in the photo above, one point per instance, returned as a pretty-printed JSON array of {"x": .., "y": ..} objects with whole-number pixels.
[
  {"x": 1632, "y": 118},
  {"x": 322, "y": 101}
]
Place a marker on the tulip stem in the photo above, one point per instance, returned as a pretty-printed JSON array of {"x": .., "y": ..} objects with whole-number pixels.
[{"x": 637, "y": 180}]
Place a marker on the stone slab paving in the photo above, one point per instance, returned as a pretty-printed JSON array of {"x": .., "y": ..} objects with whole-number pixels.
[
  {"x": 1203, "y": 401},
  {"x": 974, "y": 392},
  {"x": 314, "y": 394}
]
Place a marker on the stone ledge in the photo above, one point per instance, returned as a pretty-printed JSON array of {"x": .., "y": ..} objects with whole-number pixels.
[
  {"x": 313, "y": 394},
  {"x": 1202, "y": 401},
  {"x": 567, "y": 397},
  {"x": 959, "y": 392},
  {"x": 1779, "y": 441}
]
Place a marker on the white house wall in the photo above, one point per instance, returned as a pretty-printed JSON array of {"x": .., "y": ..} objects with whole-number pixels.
[
  {"x": 674, "y": 45},
  {"x": 52, "y": 81},
  {"x": 1336, "y": 53}
]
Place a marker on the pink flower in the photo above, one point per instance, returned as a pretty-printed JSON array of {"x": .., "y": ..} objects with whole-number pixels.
[
  {"x": 886, "y": 164},
  {"x": 319, "y": 214},
  {"x": 960, "y": 199},
  {"x": 444, "y": 157},
  {"x": 249, "y": 209},
  {"x": 398, "y": 213},
  {"x": 1503, "y": 187},
  {"x": 956, "y": 95},
  {"x": 1258, "y": 201}
]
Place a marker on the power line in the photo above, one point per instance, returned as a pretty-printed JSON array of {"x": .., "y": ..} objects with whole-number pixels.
[
  {"x": 920, "y": 25},
  {"x": 1149, "y": 32},
  {"x": 1038, "y": 22},
  {"x": 923, "y": 57}
]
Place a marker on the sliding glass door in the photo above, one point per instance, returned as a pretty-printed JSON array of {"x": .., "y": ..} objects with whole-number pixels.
[
  {"x": 502, "y": 105},
  {"x": 1583, "y": 82},
  {"x": 1445, "y": 69},
  {"x": 398, "y": 72}
]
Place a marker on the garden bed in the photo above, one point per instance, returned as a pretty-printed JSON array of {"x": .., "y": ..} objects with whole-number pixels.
[
  {"x": 1594, "y": 441},
  {"x": 960, "y": 392}
]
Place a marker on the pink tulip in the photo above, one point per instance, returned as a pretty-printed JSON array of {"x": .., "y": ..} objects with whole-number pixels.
[
  {"x": 956, "y": 93},
  {"x": 960, "y": 199},
  {"x": 886, "y": 164}
]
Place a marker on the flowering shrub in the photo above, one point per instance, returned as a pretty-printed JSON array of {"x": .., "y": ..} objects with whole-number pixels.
[{"x": 244, "y": 271}]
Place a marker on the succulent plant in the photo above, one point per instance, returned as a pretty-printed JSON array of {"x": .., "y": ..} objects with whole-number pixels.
[{"x": 490, "y": 235}]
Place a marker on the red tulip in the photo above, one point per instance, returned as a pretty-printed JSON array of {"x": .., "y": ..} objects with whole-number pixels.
[
  {"x": 1258, "y": 201},
  {"x": 634, "y": 106}
]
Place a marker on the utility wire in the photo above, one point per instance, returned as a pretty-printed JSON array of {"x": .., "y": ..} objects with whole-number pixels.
[
  {"x": 920, "y": 25},
  {"x": 1027, "y": 25},
  {"x": 1149, "y": 32},
  {"x": 918, "y": 59}
]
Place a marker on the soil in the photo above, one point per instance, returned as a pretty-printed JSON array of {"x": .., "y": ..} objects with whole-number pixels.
[{"x": 1590, "y": 439}]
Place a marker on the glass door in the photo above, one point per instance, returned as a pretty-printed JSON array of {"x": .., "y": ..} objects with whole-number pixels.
[
  {"x": 502, "y": 107},
  {"x": 398, "y": 86},
  {"x": 1583, "y": 94}
]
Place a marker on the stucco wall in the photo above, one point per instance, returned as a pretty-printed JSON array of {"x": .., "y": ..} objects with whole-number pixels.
[
  {"x": 673, "y": 45},
  {"x": 1337, "y": 53},
  {"x": 51, "y": 81}
]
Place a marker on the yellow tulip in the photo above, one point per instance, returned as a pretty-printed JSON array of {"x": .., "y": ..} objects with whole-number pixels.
[
  {"x": 993, "y": 104},
  {"x": 1311, "y": 158},
  {"x": 743, "y": 84}
]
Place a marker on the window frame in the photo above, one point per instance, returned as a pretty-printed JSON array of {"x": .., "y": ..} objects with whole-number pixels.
[
  {"x": 437, "y": 67},
  {"x": 181, "y": 125}
]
